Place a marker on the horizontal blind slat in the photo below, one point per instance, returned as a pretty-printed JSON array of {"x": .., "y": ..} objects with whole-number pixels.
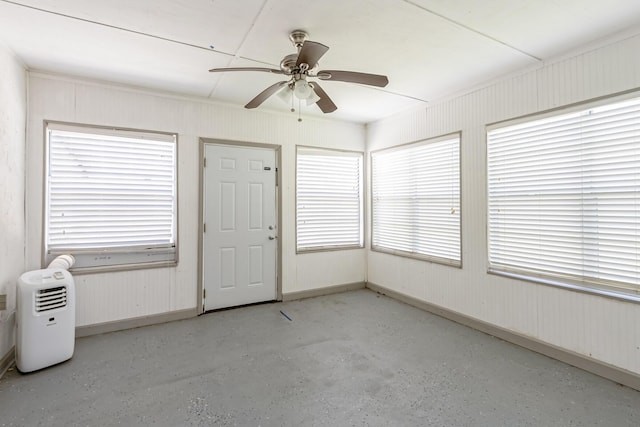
[
  {"x": 416, "y": 199},
  {"x": 564, "y": 196},
  {"x": 107, "y": 191},
  {"x": 328, "y": 198}
]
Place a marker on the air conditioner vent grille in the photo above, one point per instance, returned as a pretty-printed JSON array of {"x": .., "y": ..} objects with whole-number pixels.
[{"x": 50, "y": 299}]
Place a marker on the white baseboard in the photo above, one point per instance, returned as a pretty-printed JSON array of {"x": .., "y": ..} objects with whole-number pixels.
[
  {"x": 136, "y": 322},
  {"x": 7, "y": 361},
  {"x": 613, "y": 373},
  {"x": 310, "y": 293}
]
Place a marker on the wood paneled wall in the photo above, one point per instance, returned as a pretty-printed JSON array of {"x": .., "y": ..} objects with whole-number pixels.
[
  {"x": 605, "y": 329},
  {"x": 108, "y": 297}
]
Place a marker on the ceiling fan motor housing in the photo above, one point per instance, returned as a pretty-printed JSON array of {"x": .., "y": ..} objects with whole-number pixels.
[
  {"x": 288, "y": 63},
  {"x": 298, "y": 37}
]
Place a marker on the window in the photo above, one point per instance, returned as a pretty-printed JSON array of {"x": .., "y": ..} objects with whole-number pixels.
[
  {"x": 328, "y": 199},
  {"x": 416, "y": 200},
  {"x": 110, "y": 196},
  {"x": 564, "y": 198}
]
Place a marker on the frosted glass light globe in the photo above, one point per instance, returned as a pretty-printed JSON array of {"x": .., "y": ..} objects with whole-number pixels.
[{"x": 302, "y": 89}]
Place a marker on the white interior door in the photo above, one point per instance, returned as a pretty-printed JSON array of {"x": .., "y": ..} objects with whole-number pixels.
[{"x": 239, "y": 242}]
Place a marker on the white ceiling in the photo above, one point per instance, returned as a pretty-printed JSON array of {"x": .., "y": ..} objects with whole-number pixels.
[{"x": 427, "y": 48}]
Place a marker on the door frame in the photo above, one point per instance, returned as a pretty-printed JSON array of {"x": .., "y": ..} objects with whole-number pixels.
[{"x": 278, "y": 152}]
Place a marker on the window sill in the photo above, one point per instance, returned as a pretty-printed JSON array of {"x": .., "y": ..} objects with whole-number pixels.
[
  {"x": 607, "y": 293},
  {"x": 122, "y": 267},
  {"x": 420, "y": 257},
  {"x": 328, "y": 249}
]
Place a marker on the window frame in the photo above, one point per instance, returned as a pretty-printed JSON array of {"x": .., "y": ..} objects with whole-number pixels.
[
  {"x": 338, "y": 247},
  {"x": 414, "y": 255},
  {"x": 129, "y": 257},
  {"x": 581, "y": 286}
]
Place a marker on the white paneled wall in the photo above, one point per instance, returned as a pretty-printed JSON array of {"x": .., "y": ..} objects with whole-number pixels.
[
  {"x": 122, "y": 295},
  {"x": 602, "y": 328},
  {"x": 13, "y": 105}
]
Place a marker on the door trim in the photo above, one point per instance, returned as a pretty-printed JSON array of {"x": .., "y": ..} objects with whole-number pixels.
[{"x": 278, "y": 152}]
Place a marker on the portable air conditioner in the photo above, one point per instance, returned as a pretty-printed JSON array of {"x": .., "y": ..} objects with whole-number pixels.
[{"x": 46, "y": 318}]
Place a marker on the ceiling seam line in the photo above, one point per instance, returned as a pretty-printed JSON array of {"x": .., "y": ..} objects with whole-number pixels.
[
  {"x": 487, "y": 36},
  {"x": 242, "y": 43},
  {"x": 251, "y": 28},
  {"x": 89, "y": 21},
  {"x": 390, "y": 92}
]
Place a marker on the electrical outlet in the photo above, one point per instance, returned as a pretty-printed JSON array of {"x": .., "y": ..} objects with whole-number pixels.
[{"x": 3, "y": 302}]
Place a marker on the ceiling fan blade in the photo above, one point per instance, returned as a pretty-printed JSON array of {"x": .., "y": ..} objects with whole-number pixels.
[
  {"x": 324, "y": 103},
  {"x": 268, "y": 70},
  {"x": 353, "y": 77},
  {"x": 310, "y": 53},
  {"x": 262, "y": 96}
]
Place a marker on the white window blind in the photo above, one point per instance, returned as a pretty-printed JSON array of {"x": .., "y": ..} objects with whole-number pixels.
[
  {"x": 328, "y": 199},
  {"x": 111, "y": 196},
  {"x": 416, "y": 200},
  {"x": 564, "y": 197}
]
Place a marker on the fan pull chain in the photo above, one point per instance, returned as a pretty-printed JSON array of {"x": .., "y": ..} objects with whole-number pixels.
[
  {"x": 299, "y": 110},
  {"x": 292, "y": 109}
]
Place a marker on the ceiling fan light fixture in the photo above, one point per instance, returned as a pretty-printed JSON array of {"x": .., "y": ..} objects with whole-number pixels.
[
  {"x": 313, "y": 98},
  {"x": 285, "y": 94},
  {"x": 302, "y": 90}
]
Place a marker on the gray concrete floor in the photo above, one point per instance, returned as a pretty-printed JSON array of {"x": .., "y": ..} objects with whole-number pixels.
[{"x": 351, "y": 359}]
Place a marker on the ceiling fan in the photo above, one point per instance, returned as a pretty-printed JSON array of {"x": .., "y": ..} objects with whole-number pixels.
[{"x": 299, "y": 67}]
